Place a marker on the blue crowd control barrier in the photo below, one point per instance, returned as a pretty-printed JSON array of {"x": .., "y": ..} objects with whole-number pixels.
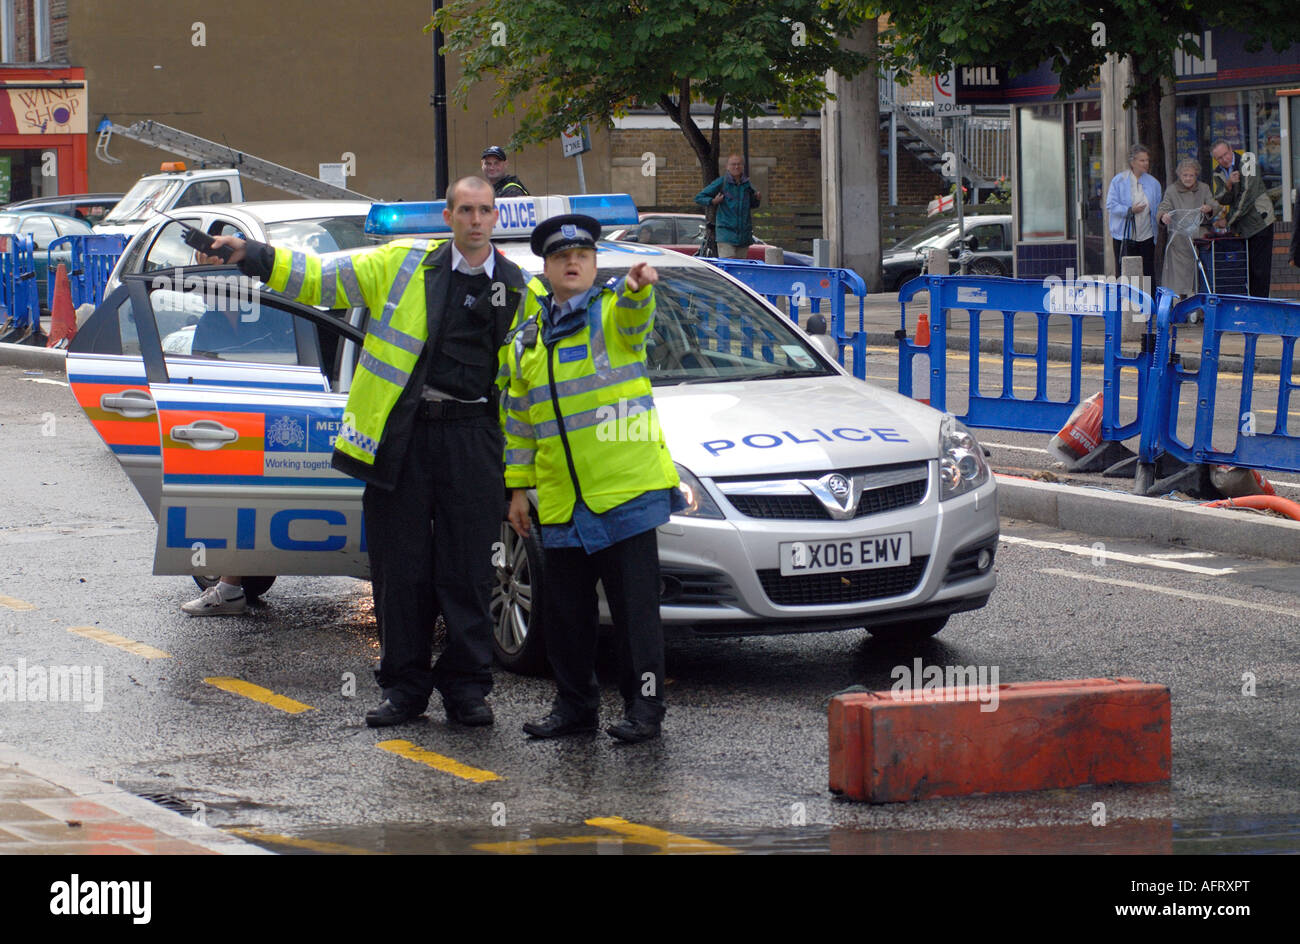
[
  {"x": 99, "y": 256},
  {"x": 796, "y": 284},
  {"x": 1005, "y": 297},
  {"x": 1256, "y": 448},
  {"x": 18, "y": 291}
]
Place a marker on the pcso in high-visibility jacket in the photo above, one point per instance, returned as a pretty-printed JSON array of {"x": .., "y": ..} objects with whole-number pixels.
[
  {"x": 422, "y": 429},
  {"x": 581, "y": 428}
]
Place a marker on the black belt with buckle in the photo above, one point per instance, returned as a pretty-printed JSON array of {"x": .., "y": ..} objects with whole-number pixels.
[{"x": 455, "y": 409}]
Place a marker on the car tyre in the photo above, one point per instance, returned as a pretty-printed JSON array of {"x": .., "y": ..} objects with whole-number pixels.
[
  {"x": 914, "y": 631},
  {"x": 987, "y": 267},
  {"x": 254, "y": 587},
  {"x": 518, "y": 602}
]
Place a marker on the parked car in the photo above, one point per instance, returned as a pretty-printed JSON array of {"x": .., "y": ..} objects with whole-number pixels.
[
  {"x": 684, "y": 232},
  {"x": 91, "y": 207},
  {"x": 988, "y": 237},
  {"x": 815, "y": 501},
  {"x": 44, "y": 228},
  {"x": 319, "y": 226}
]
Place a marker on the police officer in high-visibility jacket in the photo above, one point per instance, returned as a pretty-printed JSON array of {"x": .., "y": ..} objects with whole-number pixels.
[
  {"x": 581, "y": 428},
  {"x": 422, "y": 429}
]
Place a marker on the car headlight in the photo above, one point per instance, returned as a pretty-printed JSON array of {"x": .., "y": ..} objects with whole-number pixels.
[
  {"x": 699, "y": 504},
  {"x": 961, "y": 460}
]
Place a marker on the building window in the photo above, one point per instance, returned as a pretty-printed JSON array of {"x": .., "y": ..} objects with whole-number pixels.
[
  {"x": 41, "y": 22},
  {"x": 1041, "y": 170},
  {"x": 1249, "y": 120},
  {"x": 8, "y": 32}
]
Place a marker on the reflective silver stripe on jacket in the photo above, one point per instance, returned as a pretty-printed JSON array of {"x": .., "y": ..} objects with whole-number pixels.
[
  {"x": 517, "y": 427},
  {"x": 639, "y": 329},
  {"x": 567, "y": 388},
  {"x": 297, "y": 273},
  {"x": 407, "y": 269},
  {"x": 407, "y": 342},
  {"x": 384, "y": 371},
  {"x": 624, "y": 302},
  {"x": 601, "y": 414},
  {"x": 334, "y": 271},
  {"x": 520, "y": 456}
]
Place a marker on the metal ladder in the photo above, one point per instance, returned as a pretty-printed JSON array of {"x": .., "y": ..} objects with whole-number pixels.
[{"x": 167, "y": 138}]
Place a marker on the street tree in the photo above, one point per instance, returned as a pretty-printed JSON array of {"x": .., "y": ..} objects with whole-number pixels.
[
  {"x": 561, "y": 63},
  {"x": 1075, "y": 37}
]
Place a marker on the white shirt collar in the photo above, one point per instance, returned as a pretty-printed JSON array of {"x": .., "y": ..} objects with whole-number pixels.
[{"x": 458, "y": 263}]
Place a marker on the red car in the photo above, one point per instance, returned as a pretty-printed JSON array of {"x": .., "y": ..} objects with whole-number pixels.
[{"x": 683, "y": 232}]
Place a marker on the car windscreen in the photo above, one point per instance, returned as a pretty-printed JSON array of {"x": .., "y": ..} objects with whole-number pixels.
[
  {"x": 327, "y": 234},
  {"x": 927, "y": 238},
  {"x": 142, "y": 200},
  {"x": 709, "y": 330}
]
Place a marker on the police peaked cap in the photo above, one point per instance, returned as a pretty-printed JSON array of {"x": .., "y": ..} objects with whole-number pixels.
[
  {"x": 494, "y": 151},
  {"x": 570, "y": 231}
]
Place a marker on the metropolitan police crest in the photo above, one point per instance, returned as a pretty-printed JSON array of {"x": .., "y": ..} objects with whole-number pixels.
[
  {"x": 569, "y": 231},
  {"x": 286, "y": 433}
]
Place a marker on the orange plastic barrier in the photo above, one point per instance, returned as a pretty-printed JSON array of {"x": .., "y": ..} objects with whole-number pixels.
[{"x": 896, "y": 746}]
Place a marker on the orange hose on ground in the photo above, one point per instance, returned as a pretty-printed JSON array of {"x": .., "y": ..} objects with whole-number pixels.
[{"x": 1283, "y": 506}]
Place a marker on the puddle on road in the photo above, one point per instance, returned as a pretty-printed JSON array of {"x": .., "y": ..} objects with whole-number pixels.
[{"x": 1217, "y": 836}]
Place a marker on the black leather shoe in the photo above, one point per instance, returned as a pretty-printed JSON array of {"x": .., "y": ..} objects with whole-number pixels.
[
  {"x": 558, "y": 725},
  {"x": 389, "y": 714},
  {"x": 472, "y": 712},
  {"x": 633, "y": 732}
]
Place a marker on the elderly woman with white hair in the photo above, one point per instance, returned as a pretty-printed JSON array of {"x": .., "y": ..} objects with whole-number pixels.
[
  {"x": 1188, "y": 193},
  {"x": 1131, "y": 204}
]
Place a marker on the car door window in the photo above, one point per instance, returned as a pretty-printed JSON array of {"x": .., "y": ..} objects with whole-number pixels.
[
  {"x": 690, "y": 231},
  {"x": 655, "y": 232},
  {"x": 222, "y": 319},
  {"x": 69, "y": 228},
  {"x": 201, "y": 193},
  {"x": 169, "y": 250},
  {"x": 988, "y": 238},
  {"x": 221, "y": 227}
]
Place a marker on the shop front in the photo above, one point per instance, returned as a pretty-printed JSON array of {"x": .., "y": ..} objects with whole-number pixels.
[{"x": 43, "y": 132}]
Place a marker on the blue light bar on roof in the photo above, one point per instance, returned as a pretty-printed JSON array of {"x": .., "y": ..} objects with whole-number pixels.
[
  {"x": 608, "y": 209},
  {"x": 406, "y": 219}
]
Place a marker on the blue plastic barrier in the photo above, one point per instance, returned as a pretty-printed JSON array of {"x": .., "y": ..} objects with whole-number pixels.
[
  {"x": 99, "y": 254},
  {"x": 977, "y": 295},
  {"x": 19, "y": 297},
  {"x": 806, "y": 283},
  {"x": 1276, "y": 450}
]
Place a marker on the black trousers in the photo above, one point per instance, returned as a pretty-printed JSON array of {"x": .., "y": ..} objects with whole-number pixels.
[
  {"x": 1145, "y": 248},
  {"x": 452, "y": 476},
  {"x": 629, "y": 572},
  {"x": 1260, "y": 251}
]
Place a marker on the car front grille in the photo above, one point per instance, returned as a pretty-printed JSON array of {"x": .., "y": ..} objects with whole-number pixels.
[
  {"x": 808, "y": 508},
  {"x": 848, "y": 587}
]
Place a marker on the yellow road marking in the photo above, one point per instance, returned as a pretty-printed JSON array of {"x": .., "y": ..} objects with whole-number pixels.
[
  {"x": 438, "y": 762},
  {"x": 121, "y": 642},
  {"x": 315, "y": 845},
  {"x": 664, "y": 842},
  {"x": 258, "y": 693},
  {"x": 15, "y": 604}
]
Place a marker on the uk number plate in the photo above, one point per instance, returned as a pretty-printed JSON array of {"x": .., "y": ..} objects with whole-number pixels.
[{"x": 829, "y": 557}]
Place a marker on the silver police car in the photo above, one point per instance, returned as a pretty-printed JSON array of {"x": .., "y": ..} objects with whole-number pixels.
[{"x": 816, "y": 501}]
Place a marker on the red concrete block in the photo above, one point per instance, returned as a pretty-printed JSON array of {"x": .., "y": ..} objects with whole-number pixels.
[{"x": 904, "y": 745}]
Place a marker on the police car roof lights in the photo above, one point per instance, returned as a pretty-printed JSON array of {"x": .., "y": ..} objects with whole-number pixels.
[{"x": 518, "y": 217}]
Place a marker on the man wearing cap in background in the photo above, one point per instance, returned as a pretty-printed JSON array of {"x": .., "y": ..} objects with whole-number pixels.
[
  {"x": 422, "y": 430},
  {"x": 496, "y": 170},
  {"x": 581, "y": 428}
]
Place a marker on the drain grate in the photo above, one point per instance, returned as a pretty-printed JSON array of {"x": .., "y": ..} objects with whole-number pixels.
[{"x": 173, "y": 803}]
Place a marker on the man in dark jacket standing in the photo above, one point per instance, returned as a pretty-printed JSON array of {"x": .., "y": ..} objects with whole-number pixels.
[
  {"x": 421, "y": 428},
  {"x": 735, "y": 197},
  {"x": 496, "y": 168},
  {"x": 1238, "y": 186}
]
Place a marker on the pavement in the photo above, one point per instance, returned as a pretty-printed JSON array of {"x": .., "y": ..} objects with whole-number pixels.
[{"x": 45, "y": 808}]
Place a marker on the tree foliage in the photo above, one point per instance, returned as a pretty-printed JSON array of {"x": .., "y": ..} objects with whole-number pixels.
[{"x": 560, "y": 63}]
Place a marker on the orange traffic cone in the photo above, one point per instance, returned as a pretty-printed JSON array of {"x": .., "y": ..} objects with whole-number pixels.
[
  {"x": 63, "y": 321},
  {"x": 922, "y": 330}
]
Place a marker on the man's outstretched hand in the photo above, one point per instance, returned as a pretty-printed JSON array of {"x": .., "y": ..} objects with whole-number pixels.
[
  {"x": 234, "y": 242},
  {"x": 640, "y": 275}
]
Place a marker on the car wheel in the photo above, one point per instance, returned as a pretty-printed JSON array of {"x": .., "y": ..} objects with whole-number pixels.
[
  {"x": 987, "y": 267},
  {"x": 915, "y": 631},
  {"x": 254, "y": 587},
  {"x": 518, "y": 629}
]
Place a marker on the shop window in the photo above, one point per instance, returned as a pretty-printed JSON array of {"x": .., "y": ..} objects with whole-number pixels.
[{"x": 1041, "y": 172}]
